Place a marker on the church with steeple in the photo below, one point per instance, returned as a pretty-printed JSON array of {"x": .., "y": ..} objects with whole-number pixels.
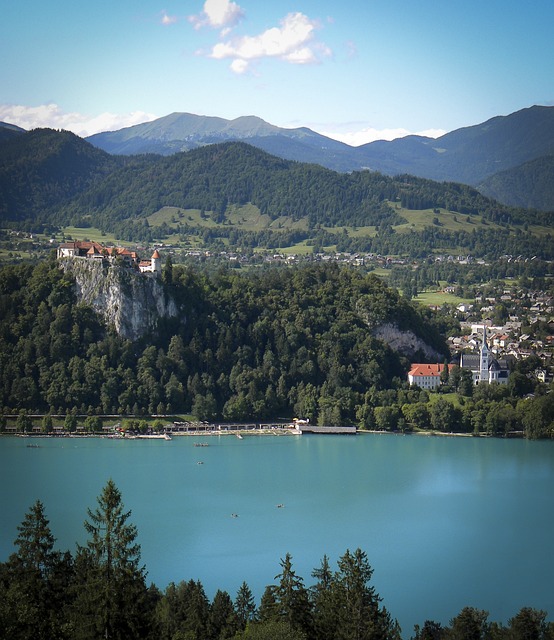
[{"x": 484, "y": 367}]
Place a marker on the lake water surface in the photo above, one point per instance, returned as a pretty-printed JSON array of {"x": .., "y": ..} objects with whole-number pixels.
[{"x": 445, "y": 522}]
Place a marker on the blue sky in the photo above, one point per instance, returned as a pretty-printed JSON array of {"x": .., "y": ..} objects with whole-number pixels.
[{"x": 354, "y": 70}]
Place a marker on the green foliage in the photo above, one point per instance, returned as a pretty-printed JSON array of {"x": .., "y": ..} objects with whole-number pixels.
[
  {"x": 282, "y": 342},
  {"x": 43, "y": 168},
  {"x": 528, "y": 185},
  {"x": 110, "y": 591},
  {"x": 34, "y": 582}
]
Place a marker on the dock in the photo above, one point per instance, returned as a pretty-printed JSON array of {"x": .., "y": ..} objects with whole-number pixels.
[
  {"x": 310, "y": 428},
  {"x": 297, "y": 427}
]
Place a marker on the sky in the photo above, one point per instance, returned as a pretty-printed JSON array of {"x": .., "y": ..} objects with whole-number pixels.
[{"x": 354, "y": 70}]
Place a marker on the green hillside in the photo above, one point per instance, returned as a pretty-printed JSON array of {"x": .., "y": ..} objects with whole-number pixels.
[
  {"x": 529, "y": 185},
  {"x": 43, "y": 168}
]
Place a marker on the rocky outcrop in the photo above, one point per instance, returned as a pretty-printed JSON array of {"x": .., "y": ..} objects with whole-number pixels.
[
  {"x": 129, "y": 301},
  {"x": 406, "y": 342}
]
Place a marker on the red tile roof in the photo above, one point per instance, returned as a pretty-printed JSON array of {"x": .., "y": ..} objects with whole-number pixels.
[{"x": 426, "y": 369}]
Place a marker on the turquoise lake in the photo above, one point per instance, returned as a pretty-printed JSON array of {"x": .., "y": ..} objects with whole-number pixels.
[{"x": 445, "y": 522}]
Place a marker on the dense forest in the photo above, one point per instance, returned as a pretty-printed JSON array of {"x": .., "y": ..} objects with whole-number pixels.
[
  {"x": 529, "y": 185},
  {"x": 255, "y": 346},
  {"x": 42, "y": 168},
  {"x": 100, "y": 592}
]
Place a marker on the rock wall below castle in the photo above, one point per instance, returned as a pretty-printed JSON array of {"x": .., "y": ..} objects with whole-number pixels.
[{"x": 129, "y": 301}]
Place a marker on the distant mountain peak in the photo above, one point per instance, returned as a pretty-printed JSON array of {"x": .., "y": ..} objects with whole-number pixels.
[{"x": 13, "y": 127}]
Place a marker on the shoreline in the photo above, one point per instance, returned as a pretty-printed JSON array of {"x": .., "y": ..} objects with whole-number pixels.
[{"x": 238, "y": 433}]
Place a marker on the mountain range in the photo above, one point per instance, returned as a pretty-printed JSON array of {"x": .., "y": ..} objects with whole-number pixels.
[
  {"x": 505, "y": 157},
  {"x": 471, "y": 155}
]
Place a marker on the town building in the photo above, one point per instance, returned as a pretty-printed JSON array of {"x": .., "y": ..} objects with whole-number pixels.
[
  {"x": 485, "y": 368},
  {"x": 426, "y": 376}
]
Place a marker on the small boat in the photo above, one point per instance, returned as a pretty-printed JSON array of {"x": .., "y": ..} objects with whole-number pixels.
[
  {"x": 238, "y": 436},
  {"x": 280, "y": 505},
  {"x": 234, "y": 515},
  {"x": 201, "y": 444},
  {"x": 199, "y": 462}
]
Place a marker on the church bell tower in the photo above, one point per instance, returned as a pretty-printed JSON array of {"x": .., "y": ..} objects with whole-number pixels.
[{"x": 484, "y": 358}]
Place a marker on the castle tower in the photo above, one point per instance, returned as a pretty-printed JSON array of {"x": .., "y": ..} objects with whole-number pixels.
[
  {"x": 156, "y": 262},
  {"x": 484, "y": 360}
]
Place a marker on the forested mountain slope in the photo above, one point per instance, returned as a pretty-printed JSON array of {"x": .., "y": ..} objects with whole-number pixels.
[
  {"x": 42, "y": 168},
  {"x": 9, "y": 131},
  {"x": 213, "y": 177},
  {"x": 529, "y": 185}
]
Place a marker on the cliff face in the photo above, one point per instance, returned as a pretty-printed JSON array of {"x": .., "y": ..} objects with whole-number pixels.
[
  {"x": 131, "y": 302},
  {"x": 405, "y": 342}
]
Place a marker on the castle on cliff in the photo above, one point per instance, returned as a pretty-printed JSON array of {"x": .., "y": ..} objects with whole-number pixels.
[{"x": 95, "y": 251}]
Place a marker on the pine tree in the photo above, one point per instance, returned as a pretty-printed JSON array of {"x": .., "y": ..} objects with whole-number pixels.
[
  {"x": 34, "y": 582},
  {"x": 292, "y": 598},
  {"x": 222, "y": 619},
  {"x": 35, "y": 541},
  {"x": 360, "y": 616},
  {"x": 323, "y": 602},
  {"x": 245, "y": 605},
  {"x": 110, "y": 590}
]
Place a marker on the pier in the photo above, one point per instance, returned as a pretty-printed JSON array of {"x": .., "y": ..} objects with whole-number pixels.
[
  {"x": 295, "y": 428},
  {"x": 310, "y": 428}
]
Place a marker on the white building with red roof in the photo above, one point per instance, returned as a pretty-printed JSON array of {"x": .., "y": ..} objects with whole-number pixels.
[
  {"x": 154, "y": 265},
  {"x": 426, "y": 376}
]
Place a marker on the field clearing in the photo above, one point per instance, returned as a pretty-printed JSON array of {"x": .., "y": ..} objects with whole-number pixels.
[
  {"x": 299, "y": 249},
  {"x": 381, "y": 272},
  {"x": 539, "y": 230},
  {"x": 174, "y": 216},
  {"x": 355, "y": 232},
  {"x": 93, "y": 235},
  {"x": 453, "y": 398},
  {"x": 419, "y": 219},
  {"x": 247, "y": 218},
  {"x": 438, "y": 298}
]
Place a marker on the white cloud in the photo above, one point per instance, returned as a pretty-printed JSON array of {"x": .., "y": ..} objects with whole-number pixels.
[
  {"x": 166, "y": 19},
  {"x": 293, "y": 41},
  {"x": 239, "y": 66},
  {"x": 51, "y": 116},
  {"x": 358, "y": 137},
  {"x": 218, "y": 14}
]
